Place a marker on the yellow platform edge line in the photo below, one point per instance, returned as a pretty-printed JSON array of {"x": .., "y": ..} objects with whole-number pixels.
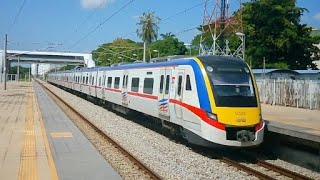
[
  {"x": 52, "y": 166},
  {"x": 28, "y": 164}
]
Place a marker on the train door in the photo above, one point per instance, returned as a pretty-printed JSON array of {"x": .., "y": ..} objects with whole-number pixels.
[
  {"x": 164, "y": 93},
  {"x": 179, "y": 93},
  {"x": 103, "y": 84},
  {"x": 95, "y": 83},
  {"x": 124, "y": 91}
]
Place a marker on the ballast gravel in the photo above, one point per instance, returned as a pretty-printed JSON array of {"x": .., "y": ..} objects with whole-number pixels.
[{"x": 169, "y": 159}]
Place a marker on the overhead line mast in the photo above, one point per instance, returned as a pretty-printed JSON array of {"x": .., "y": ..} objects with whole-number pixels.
[{"x": 219, "y": 27}]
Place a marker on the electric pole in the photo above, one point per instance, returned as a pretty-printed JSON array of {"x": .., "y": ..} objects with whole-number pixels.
[{"x": 5, "y": 62}]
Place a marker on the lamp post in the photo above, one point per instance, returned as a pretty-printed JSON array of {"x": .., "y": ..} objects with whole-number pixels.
[
  {"x": 157, "y": 51},
  {"x": 18, "y": 70}
]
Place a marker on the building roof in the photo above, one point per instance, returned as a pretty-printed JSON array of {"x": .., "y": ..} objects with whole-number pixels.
[{"x": 308, "y": 71}]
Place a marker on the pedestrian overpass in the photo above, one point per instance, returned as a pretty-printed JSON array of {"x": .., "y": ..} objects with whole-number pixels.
[{"x": 47, "y": 57}]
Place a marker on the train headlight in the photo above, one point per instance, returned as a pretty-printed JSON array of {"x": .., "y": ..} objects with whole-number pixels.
[{"x": 212, "y": 116}]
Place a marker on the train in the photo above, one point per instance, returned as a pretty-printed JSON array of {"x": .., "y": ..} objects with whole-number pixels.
[{"x": 208, "y": 100}]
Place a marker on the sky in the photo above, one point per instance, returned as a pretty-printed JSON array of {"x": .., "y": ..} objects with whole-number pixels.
[{"x": 83, "y": 25}]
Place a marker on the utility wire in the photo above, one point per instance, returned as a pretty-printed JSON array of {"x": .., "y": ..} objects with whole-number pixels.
[
  {"x": 89, "y": 16},
  {"x": 184, "y": 11},
  {"x": 185, "y": 30},
  {"x": 16, "y": 17},
  {"x": 93, "y": 30},
  {"x": 174, "y": 15}
]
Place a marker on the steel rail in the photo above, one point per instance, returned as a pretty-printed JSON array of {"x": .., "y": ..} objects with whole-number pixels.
[
  {"x": 136, "y": 161},
  {"x": 282, "y": 171},
  {"x": 246, "y": 169}
]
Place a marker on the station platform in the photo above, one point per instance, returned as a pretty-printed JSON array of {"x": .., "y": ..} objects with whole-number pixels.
[
  {"x": 294, "y": 122},
  {"x": 38, "y": 141}
]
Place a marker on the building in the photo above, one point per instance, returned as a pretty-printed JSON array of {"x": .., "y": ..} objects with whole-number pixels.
[{"x": 286, "y": 74}]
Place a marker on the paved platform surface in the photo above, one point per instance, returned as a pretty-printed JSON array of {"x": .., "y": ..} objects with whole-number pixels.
[
  {"x": 296, "y": 122},
  {"x": 23, "y": 148},
  {"x": 75, "y": 157},
  {"x": 38, "y": 141}
]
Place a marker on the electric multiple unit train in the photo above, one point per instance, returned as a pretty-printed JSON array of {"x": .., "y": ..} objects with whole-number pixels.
[{"x": 209, "y": 100}]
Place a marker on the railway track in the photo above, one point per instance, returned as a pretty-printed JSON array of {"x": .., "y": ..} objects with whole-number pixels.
[
  {"x": 259, "y": 174},
  {"x": 268, "y": 166},
  {"x": 140, "y": 165}
]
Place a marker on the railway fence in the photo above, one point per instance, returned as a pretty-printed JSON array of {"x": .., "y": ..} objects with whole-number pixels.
[{"x": 294, "y": 93}]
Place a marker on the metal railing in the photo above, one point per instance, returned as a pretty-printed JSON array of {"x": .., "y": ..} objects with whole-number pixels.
[{"x": 295, "y": 93}]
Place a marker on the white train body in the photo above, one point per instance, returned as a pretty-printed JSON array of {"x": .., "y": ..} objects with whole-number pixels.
[{"x": 178, "y": 92}]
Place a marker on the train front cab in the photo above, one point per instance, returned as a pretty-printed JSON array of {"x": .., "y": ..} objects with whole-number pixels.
[{"x": 234, "y": 115}]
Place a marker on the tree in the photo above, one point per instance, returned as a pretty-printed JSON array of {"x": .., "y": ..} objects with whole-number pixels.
[
  {"x": 273, "y": 31},
  {"x": 148, "y": 29},
  {"x": 169, "y": 34},
  {"x": 168, "y": 46},
  {"x": 120, "y": 50}
]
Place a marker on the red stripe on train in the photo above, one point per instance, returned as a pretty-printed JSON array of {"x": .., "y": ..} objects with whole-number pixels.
[
  {"x": 201, "y": 113},
  {"x": 143, "y": 95}
]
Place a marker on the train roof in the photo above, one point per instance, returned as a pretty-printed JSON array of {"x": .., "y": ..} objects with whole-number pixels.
[{"x": 174, "y": 62}]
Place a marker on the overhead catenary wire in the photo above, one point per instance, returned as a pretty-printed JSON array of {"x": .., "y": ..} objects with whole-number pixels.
[
  {"x": 17, "y": 15},
  {"x": 89, "y": 16},
  {"x": 97, "y": 27},
  {"x": 183, "y": 11},
  {"x": 172, "y": 16}
]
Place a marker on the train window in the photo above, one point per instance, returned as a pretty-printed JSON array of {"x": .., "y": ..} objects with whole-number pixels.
[
  {"x": 126, "y": 83},
  {"x": 179, "y": 85},
  {"x": 109, "y": 82},
  {"x": 92, "y": 81},
  {"x": 135, "y": 84},
  {"x": 99, "y": 81},
  {"x": 123, "y": 81},
  {"x": 188, "y": 83},
  {"x": 161, "y": 83},
  {"x": 116, "y": 82},
  {"x": 148, "y": 86},
  {"x": 167, "y": 84},
  {"x": 87, "y": 80}
]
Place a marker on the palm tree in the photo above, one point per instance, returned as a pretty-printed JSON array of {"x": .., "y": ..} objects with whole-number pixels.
[
  {"x": 167, "y": 35},
  {"x": 148, "y": 29}
]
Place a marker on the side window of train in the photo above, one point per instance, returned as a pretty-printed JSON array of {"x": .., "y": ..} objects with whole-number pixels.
[
  {"x": 116, "y": 82},
  {"x": 148, "y": 85},
  {"x": 126, "y": 83},
  {"x": 87, "y": 80},
  {"x": 167, "y": 84},
  {"x": 123, "y": 81},
  {"x": 109, "y": 82},
  {"x": 99, "y": 81},
  {"x": 135, "y": 84},
  {"x": 92, "y": 81},
  {"x": 161, "y": 83},
  {"x": 188, "y": 83},
  {"x": 179, "y": 85}
]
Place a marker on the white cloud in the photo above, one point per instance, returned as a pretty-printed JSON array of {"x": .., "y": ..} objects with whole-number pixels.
[
  {"x": 317, "y": 17},
  {"x": 90, "y": 4},
  {"x": 135, "y": 17}
]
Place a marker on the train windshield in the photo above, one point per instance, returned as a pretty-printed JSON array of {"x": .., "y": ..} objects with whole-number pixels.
[{"x": 232, "y": 85}]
